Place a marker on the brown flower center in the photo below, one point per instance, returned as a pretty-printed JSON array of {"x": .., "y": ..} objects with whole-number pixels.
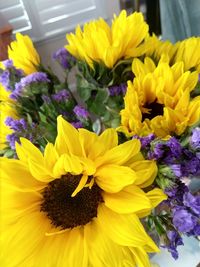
[
  {"x": 155, "y": 109},
  {"x": 66, "y": 211}
]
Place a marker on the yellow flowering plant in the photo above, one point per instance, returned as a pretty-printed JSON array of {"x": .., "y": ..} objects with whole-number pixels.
[{"x": 98, "y": 180}]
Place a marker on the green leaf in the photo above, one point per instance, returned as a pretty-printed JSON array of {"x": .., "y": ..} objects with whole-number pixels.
[
  {"x": 98, "y": 106},
  {"x": 84, "y": 88}
]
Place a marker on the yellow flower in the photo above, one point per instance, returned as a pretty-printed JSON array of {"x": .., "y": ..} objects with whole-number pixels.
[
  {"x": 77, "y": 205},
  {"x": 158, "y": 100},
  {"x": 158, "y": 48},
  {"x": 188, "y": 52},
  {"x": 6, "y": 110},
  {"x": 23, "y": 54},
  {"x": 101, "y": 43}
]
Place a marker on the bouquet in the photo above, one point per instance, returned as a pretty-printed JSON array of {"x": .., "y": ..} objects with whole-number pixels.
[{"x": 99, "y": 176}]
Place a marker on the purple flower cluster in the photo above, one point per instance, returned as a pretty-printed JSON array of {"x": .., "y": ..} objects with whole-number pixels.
[
  {"x": 61, "y": 96},
  {"x": 185, "y": 213},
  {"x": 81, "y": 112},
  {"x": 116, "y": 90},
  {"x": 5, "y": 80},
  {"x": 195, "y": 139},
  {"x": 65, "y": 59},
  {"x": 10, "y": 75},
  {"x": 77, "y": 124},
  {"x": 166, "y": 151},
  {"x": 8, "y": 63},
  {"x": 174, "y": 240},
  {"x": 183, "y": 160},
  {"x": 18, "y": 126},
  {"x": 36, "y": 77},
  {"x": 145, "y": 141}
]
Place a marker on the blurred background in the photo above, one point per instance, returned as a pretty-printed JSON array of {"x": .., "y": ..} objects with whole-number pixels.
[{"x": 48, "y": 21}]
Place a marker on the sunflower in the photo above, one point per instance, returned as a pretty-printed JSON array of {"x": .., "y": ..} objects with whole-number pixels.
[
  {"x": 188, "y": 52},
  {"x": 23, "y": 54},
  {"x": 77, "y": 204},
  {"x": 101, "y": 43},
  {"x": 158, "y": 48},
  {"x": 158, "y": 100}
]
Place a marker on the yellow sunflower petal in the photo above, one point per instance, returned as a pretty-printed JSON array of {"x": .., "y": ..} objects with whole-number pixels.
[
  {"x": 113, "y": 178},
  {"x": 146, "y": 171},
  {"x": 19, "y": 175},
  {"x": 125, "y": 230},
  {"x": 141, "y": 257},
  {"x": 67, "y": 140},
  {"x": 120, "y": 154},
  {"x": 130, "y": 199}
]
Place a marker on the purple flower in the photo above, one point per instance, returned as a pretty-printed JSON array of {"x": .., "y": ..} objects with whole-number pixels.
[
  {"x": 61, "y": 96},
  {"x": 12, "y": 138},
  {"x": 16, "y": 125},
  {"x": 192, "y": 202},
  {"x": 158, "y": 151},
  {"x": 17, "y": 92},
  {"x": 183, "y": 220},
  {"x": 36, "y": 77},
  {"x": 81, "y": 112},
  {"x": 176, "y": 168},
  {"x": 176, "y": 193},
  {"x": 191, "y": 166},
  {"x": 65, "y": 59},
  {"x": 146, "y": 140},
  {"x": 5, "y": 80},
  {"x": 195, "y": 139},
  {"x": 116, "y": 90},
  {"x": 174, "y": 241},
  {"x": 8, "y": 63},
  {"x": 175, "y": 147},
  {"x": 196, "y": 230},
  {"x": 77, "y": 124}
]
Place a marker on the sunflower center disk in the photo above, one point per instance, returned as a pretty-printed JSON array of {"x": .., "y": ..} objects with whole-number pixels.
[
  {"x": 155, "y": 110},
  {"x": 66, "y": 211}
]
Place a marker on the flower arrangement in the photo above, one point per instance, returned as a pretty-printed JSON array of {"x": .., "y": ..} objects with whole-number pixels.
[{"x": 91, "y": 180}]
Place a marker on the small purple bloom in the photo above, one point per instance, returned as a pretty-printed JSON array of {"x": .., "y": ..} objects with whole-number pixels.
[
  {"x": 195, "y": 139},
  {"x": 61, "y": 96},
  {"x": 5, "y": 80},
  {"x": 196, "y": 230},
  {"x": 16, "y": 125},
  {"x": 116, "y": 90},
  {"x": 174, "y": 241},
  {"x": 176, "y": 168},
  {"x": 157, "y": 152},
  {"x": 81, "y": 112},
  {"x": 192, "y": 202},
  {"x": 192, "y": 166},
  {"x": 12, "y": 138},
  {"x": 36, "y": 77},
  {"x": 77, "y": 124},
  {"x": 8, "y": 63},
  {"x": 146, "y": 140},
  {"x": 175, "y": 147},
  {"x": 65, "y": 59},
  {"x": 183, "y": 220}
]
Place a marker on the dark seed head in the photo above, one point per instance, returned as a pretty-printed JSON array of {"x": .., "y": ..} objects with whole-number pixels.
[
  {"x": 66, "y": 211},
  {"x": 155, "y": 110}
]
